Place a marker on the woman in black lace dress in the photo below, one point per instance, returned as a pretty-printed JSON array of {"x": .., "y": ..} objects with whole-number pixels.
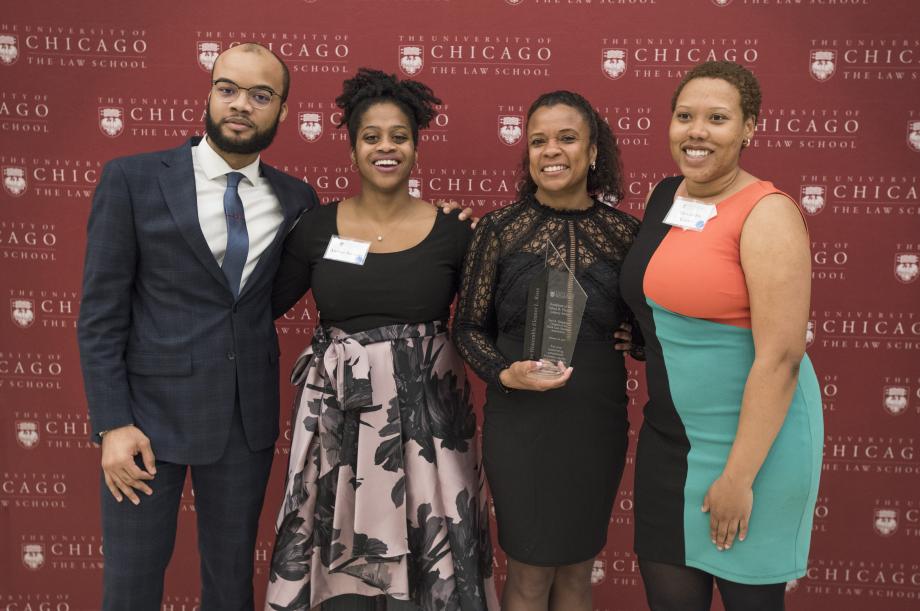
[{"x": 554, "y": 458}]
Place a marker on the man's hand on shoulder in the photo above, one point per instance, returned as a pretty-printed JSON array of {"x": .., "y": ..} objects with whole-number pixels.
[{"x": 122, "y": 475}]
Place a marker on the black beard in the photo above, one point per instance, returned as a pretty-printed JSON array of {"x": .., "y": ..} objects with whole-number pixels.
[{"x": 259, "y": 141}]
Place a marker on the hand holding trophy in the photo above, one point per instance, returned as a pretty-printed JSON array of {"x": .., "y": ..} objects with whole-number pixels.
[{"x": 555, "y": 306}]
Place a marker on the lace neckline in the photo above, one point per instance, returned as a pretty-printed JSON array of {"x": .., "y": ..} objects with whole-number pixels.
[{"x": 547, "y": 210}]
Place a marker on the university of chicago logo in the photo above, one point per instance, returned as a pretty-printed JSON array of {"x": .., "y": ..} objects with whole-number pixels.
[
  {"x": 27, "y": 433},
  {"x": 514, "y": 2},
  {"x": 509, "y": 129},
  {"x": 14, "y": 180},
  {"x": 410, "y": 59},
  {"x": 885, "y": 522},
  {"x": 9, "y": 50},
  {"x": 22, "y": 312},
  {"x": 310, "y": 125},
  {"x": 895, "y": 399},
  {"x": 906, "y": 268},
  {"x": 598, "y": 572},
  {"x": 415, "y": 187},
  {"x": 613, "y": 63},
  {"x": 111, "y": 121},
  {"x": 792, "y": 585},
  {"x": 207, "y": 54},
  {"x": 823, "y": 64},
  {"x": 810, "y": 333},
  {"x": 33, "y": 555},
  {"x": 913, "y": 135},
  {"x": 813, "y": 198},
  {"x": 721, "y": 2}
]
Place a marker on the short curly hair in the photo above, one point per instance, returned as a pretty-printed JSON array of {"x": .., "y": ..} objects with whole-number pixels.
[
  {"x": 606, "y": 180},
  {"x": 736, "y": 75},
  {"x": 369, "y": 87}
]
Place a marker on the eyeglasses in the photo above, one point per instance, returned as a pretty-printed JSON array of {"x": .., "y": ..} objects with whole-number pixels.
[{"x": 228, "y": 91}]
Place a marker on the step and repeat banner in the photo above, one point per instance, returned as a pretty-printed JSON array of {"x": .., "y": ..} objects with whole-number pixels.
[{"x": 81, "y": 83}]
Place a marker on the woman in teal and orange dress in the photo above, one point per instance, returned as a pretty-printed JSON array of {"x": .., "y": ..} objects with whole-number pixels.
[{"x": 729, "y": 455}]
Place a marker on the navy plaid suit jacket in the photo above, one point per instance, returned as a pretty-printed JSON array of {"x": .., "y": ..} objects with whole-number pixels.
[{"x": 163, "y": 343}]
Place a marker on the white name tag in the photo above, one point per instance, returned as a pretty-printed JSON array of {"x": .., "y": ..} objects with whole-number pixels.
[
  {"x": 347, "y": 250},
  {"x": 689, "y": 213}
]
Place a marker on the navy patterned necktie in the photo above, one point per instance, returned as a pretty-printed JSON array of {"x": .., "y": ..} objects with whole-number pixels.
[{"x": 237, "y": 236}]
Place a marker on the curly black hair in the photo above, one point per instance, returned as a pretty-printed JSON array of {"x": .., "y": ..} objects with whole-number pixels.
[
  {"x": 606, "y": 180},
  {"x": 369, "y": 87},
  {"x": 735, "y": 75}
]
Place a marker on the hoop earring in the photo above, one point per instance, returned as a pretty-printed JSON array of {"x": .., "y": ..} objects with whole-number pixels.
[{"x": 745, "y": 143}]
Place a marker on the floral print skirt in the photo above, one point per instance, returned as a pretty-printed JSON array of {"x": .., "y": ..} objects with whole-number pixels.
[{"x": 384, "y": 491}]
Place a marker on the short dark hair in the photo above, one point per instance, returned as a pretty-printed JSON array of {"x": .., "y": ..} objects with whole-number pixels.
[
  {"x": 254, "y": 47},
  {"x": 369, "y": 87},
  {"x": 606, "y": 179},
  {"x": 736, "y": 75}
]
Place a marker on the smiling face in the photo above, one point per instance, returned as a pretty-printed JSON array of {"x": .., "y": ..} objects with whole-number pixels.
[
  {"x": 707, "y": 129},
  {"x": 559, "y": 152},
  {"x": 236, "y": 126},
  {"x": 384, "y": 150}
]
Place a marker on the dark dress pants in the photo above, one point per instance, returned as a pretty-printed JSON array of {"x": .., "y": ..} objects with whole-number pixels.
[{"x": 138, "y": 540}]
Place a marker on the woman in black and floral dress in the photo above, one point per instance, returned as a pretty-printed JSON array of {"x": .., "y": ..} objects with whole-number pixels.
[
  {"x": 384, "y": 490},
  {"x": 554, "y": 458}
]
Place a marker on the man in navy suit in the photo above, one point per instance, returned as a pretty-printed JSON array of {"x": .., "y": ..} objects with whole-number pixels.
[{"x": 177, "y": 343}]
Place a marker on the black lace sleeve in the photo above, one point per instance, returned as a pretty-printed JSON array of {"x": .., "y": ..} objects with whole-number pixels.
[
  {"x": 292, "y": 280},
  {"x": 638, "y": 342},
  {"x": 475, "y": 326}
]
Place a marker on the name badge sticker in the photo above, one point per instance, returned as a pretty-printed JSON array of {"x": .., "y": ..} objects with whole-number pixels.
[
  {"x": 689, "y": 214},
  {"x": 346, "y": 250}
]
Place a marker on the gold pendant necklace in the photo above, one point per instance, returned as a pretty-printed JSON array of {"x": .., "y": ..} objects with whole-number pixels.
[{"x": 397, "y": 224}]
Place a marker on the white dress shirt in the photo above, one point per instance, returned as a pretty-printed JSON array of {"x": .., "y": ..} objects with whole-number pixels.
[{"x": 260, "y": 205}]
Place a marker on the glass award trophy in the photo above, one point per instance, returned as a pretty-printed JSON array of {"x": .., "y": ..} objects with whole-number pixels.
[{"x": 555, "y": 306}]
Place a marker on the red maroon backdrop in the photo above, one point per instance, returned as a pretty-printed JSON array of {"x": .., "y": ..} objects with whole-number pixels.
[{"x": 83, "y": 82}]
